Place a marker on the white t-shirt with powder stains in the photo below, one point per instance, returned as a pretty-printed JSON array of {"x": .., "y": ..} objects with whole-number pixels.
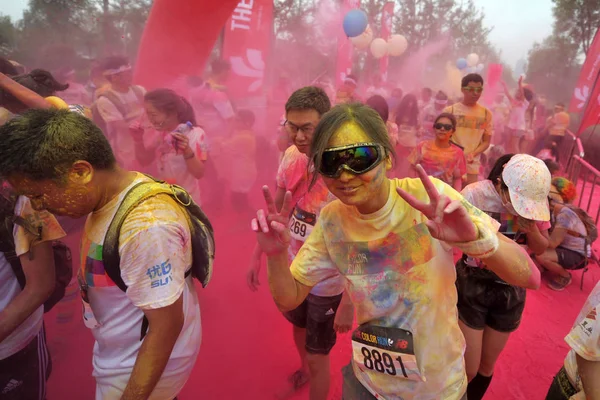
[
  {"x": 9, "y": 286},
  {"x": 398, "y": 278},
  {"x": 155, "y": 250},
  {"x": 584, "y": 339}
]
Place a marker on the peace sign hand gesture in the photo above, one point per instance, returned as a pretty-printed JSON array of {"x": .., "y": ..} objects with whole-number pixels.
[
  {"x": 449, "y": 220},
  {"x": 271, "y": 227}
]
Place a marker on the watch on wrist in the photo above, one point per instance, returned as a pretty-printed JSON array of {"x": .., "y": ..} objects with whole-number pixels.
[{"x": 187, "y": 157}]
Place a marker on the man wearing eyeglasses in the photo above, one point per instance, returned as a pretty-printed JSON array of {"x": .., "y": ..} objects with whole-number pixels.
[
  {"x": 316, "y": 320},
  {"x": 474, "y": 124}
]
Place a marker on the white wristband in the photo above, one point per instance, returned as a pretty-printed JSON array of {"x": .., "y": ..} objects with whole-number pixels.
[{"x": 483, "y": 247}]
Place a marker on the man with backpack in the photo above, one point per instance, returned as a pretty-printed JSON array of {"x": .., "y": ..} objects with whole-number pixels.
[
  {"x": 573, "y": 232},
  {"x": 142, "y": 243},
  {"x": 118, "y": 106},
  {"x": 27, "y": 281}
]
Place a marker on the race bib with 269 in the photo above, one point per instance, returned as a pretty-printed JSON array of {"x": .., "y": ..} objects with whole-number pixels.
[
  {"x": 301, "y": 224},
  {"x": 388, "y": 351}
]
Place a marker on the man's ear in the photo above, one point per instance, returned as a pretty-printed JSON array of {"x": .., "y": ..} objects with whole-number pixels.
[{"x": 81, "y": 172}]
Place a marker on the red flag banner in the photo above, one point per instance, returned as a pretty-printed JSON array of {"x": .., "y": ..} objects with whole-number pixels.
[
  {"x": 588, "y": 76},
  {"x": 591, "y": 115},
  {"x": 345, "y": 49},
  {"x": 172, "y": 45},
  {"x": 246, "y": 45},
  {"x": 387, "y": 14}
]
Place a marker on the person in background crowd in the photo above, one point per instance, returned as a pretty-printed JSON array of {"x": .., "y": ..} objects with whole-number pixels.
[
  {"x": 118, "y": 106},
  {"x": 394, "y": 102},
  {"x": 568, "y": 249},
  {"x": 490, "y": 308},
  {"x": 379, "y": 104},
  {"x": 347, "y": 93},
  {"x": 175, "y": 157},
  {"x": 64, "y": 164},
  {"x": 549, "y": 152},
  {"x": 240, "y": 153},
  {"x": 557, "y": 124},
  {"x": 500, "y": 110},
  {"x": 578, "y": 379},
  {"x": 7, "y": 69},
  {"x": 313, "y": 318},
  {"x": 474, "y": 124},
  {"x": 440, "y": 157},
  {"x": 32, "y": 90},
  {"x": 429, "y": 114},
  {"x": 553, "y": 167},
  {"x": 76, "y": 93},
  {"x": 377, "y": 88},
  {"x": 490, "y": 157},
  {"x": 426, "y": 98},
  {"x": 98, "y": 82},
  {"x": 385, "y": 237},
  {"x": 528, "y": 140},
  {"x": 25, "y": 363},
  {"x": 517, "y": 124},
  {"x": 216, "y": 112},
  {"x": 407, "y": 119}
]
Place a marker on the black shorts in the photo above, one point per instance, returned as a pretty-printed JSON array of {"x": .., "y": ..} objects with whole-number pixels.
[
  {"x": 23, "y": 375},
  {"x": 569, "y": 259},
  {"x": 316, "y": 314},
  {"x": 487, "y": 302}
]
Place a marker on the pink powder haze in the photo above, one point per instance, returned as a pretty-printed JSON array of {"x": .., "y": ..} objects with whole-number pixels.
[{"x": 247, "y": 345}]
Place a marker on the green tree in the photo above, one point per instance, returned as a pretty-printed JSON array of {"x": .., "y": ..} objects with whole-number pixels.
[
  {"x": 576, "y": 21},
  {"x": 8, "y": 35},
  {"x": 553, "y": 69}
]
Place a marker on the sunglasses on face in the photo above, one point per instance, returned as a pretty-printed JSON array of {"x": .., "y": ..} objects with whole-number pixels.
[
  {"x": 443, "y": 127},
  {"x": 357, "y": 158},
  {"x": 473, "y": 89}
]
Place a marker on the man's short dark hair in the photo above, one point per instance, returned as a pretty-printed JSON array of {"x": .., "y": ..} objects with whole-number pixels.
[
  {"x": 560, "y": 105},
  {"x": 309, "y": 98},
  {"x": 475, "y": 78},
  {"x": 44, "y": 144}
]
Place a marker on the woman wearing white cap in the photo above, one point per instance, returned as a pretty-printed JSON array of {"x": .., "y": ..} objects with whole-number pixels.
[{"x": 516, "y": 195}]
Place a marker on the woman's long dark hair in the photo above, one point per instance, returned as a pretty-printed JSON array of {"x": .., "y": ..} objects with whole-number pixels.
[
  {"x": 167, "y": 101},
  {"x": 409, "y": 108}
]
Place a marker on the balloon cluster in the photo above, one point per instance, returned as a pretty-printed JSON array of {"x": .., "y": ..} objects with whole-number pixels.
[
  {"x": 356, "y": 27},
  {"x": 470, "y": 64}
]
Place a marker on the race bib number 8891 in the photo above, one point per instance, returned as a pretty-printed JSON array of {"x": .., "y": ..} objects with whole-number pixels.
[{"x": 388, "y": 351}]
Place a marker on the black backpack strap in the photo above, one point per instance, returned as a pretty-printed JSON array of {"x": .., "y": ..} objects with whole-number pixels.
[{"x": 110, "y": 250}]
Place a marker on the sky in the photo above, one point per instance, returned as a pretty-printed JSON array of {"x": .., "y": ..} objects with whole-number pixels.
[{"x": 517, "y": 23}]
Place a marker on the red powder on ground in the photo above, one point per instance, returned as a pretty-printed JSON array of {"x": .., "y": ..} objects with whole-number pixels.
[{"x": 247, "y": 347}]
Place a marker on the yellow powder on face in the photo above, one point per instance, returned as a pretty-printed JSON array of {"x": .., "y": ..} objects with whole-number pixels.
[{"x": 347, "y": 134}]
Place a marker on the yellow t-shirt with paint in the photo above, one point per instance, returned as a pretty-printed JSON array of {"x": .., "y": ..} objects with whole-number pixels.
[
  {"x": 471, "y": 124},
  {"x": 400, "y": 278}
]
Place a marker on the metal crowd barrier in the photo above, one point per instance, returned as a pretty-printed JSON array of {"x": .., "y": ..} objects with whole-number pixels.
[{"x": 586, "y": 178}]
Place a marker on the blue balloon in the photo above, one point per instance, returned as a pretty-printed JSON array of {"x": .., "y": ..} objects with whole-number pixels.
[
  {"x": 355, "y": 23},
  {"x": 461, "y": 63}
]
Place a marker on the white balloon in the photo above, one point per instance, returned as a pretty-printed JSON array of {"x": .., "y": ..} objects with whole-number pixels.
[
  {"x": 379, "y": 48},
  {"x": 397, "y": 45},
  {"x": 363, "y": 40},
  {"x": 472, "y": 59},
  {"x": 480, "y": 67}
]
